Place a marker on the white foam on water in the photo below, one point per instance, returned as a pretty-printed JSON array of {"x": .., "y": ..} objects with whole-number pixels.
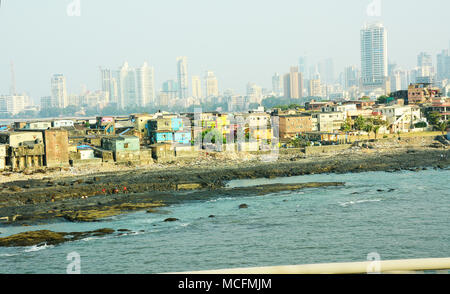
[
  {"x": 8, "y": 254},
  {"x": 38, "y": 248},
  {"x": 345, "y": 204}
]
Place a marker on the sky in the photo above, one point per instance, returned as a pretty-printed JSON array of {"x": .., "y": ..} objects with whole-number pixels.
[{"x": 240, "y": 40}]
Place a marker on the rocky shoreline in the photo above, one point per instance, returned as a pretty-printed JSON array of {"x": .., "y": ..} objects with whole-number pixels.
[{"x": 92, "y": 198}]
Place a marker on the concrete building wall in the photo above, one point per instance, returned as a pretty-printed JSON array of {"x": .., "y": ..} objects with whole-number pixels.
[{"x": 56, "y": 148}]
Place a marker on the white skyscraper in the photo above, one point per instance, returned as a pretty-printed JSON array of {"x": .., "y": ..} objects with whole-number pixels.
[
  {"x": 109, "y": 85},
  {"x": 196, "y": 87},
  {"x": 374, "y": 62},
  {"x": 254, "y": 93},
  {"x": 126, "y": 85},
  {"x": 212, "y": 86},
  {"x": 276, "y": 84},
  {"x": 59, "y": 91},
  {"x": 183, "y": 82},
  {"x": 145, "y": 90}
]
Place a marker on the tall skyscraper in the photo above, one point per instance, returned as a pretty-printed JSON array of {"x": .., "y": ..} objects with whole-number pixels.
[
  {"x": 374, "y": 67},
  {"x": 109, "y": 84},
  {"x": 170, "y": 88},
  {"x": 196, "y": 87},
  {"x": 183, "y": 81},
  {"x": 126, "y": 86},
  {"x": 276, "y": 84},
  {"x": 254, "y": 93},
  {"x": 212, "y": 86},
  {"x": 351, "y": 77},
  {"x": 443, "y": 65},
  {"x": 425, "y": 66},
  {"x": 315, "y": 88},
  {"x": 303, "y": 67},
  {"x": 145, "y": 90},
  {"x": 59, "y": 91},
  {"x": 326, "y": 70},
  {"x": 293, "y": 84}
]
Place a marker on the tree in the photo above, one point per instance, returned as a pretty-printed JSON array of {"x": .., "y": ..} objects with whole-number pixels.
[
  {"x": 347, "y": 125},
  {"x": 382, "y": 99},
  {"x": 376, "y": 128},
  {"x": 433, "y": 117},
  {"x": 442, "y": 126},
  {"x": 368, "y": 128},
  {"x": 359, "y": 123}
]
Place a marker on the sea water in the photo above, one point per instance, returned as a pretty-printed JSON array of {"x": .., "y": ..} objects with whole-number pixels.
[{"x": 394, "y": 215}]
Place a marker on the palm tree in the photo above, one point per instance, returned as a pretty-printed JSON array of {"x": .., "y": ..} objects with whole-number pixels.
[
  {"x": 368, "y": 128},
  {"x": 442, "y": 126},
  {"x": 376, "y": 128}
]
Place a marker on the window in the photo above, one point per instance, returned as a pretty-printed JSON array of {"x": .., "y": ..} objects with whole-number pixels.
[{"x": 125, "y": 145}]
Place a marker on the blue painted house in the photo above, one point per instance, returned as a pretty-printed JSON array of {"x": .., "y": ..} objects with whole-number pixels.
[
  {"x": 161, "y": 137},
  {"x": 183, "y": 137},
  {"x": 177, "y": 124}
]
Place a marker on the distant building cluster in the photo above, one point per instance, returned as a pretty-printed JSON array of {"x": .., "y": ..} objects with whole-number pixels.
[{"x": 128, "y": 87}]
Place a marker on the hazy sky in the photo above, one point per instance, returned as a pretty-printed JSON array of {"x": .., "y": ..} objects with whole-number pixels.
[{"x": 240, "y": 40}]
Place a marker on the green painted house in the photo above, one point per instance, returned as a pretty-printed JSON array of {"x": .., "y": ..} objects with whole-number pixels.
[{"x": 121, "y": 143}]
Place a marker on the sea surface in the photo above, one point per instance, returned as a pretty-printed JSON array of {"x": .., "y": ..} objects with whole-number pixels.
[{"x": 396, "y": 215}]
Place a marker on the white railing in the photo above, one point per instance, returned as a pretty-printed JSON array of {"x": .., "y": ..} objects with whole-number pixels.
[{"x": 440, "y": 265}]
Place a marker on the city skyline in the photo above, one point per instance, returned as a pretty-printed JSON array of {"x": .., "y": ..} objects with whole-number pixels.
[{"x": 235, "y": 64}]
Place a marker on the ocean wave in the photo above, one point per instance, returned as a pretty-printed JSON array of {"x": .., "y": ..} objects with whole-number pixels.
[
  {"x": 345, "y": 204},
  {"x": 38, "y": 247},
  {"x": 8, "y": 254}
]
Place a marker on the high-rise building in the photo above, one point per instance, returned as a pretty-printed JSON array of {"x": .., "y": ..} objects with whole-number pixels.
[
  {"x": 351, "y": 77},
  {"x": 145, "y": 90},
  {"x": 126, "y": 77},
  {"x": 276, "y": 84},
  {"x": 109, "y": 84},
  {"x": 47, "y": 102},
  {"x": 254, "y": 93},
  {"x": 293, "y": 84},
  {"x": 196, "y": 87},
  {"x": 170, "y": 88},
  {"x": 315, "y": 88},
  {"x": 183, "y": 81},
  {"x": 374, "y": 67},
  {"x": 13, "y": 104},
  {"x": 59, "y": 91},
  {"x": 303, "y": 67},
  {"x": 326, "y": 70},
  {"x": 212, "y": 85},
  {"x": 443, "y": 65}
]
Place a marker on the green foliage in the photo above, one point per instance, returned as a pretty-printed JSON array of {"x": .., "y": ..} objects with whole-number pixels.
[
  {"x": 433, "y": 117},
  {"x": 442, "y": 126},
  {"x": 359, "y": 123},
  {"x": 382, "y": 99},
  {"x": 421, "y": 124}
]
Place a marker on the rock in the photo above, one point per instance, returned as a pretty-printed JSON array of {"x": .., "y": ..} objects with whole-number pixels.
[
  {"x": 171, "y": 219},
  {"x": 211, "y": 216},
  {"x": 50, "y": 238},
  {"x": 123, "y": 230},
  {"x": 243, "y": 206},
  {"x": 33, "y": 238},
  {"x": 380, "y": 190},
  {"x": 15, "y": 188}
]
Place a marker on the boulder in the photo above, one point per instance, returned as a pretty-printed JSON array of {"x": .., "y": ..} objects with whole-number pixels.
[{"x": 171, "y": 219}]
